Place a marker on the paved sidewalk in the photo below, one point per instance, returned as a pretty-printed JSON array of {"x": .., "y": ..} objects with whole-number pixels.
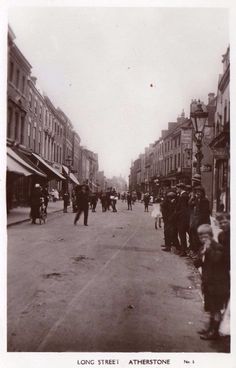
[{"x": 21, "y": 214}]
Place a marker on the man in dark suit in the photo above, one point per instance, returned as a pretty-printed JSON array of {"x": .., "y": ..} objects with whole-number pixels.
[
  {"x": 182, "y": 217},
  {"x": 82, "y": 198}
]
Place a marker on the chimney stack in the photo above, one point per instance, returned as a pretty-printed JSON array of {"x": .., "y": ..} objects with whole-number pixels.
[{"x": 211, "y": 97}]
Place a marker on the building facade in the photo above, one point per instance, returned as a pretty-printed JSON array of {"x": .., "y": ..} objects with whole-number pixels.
[
  {"x": 220, "y": 144},
  {"x": 43, "y": 146}
]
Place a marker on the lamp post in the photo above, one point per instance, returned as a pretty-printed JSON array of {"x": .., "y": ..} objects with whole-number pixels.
[{"x": 199, "y": 118}]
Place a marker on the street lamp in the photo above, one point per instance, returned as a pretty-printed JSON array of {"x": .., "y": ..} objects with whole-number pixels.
[{"x": 199, "y": 118}]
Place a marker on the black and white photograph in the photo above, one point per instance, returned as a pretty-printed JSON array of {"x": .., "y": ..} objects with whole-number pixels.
[{"x": 116, "y": 179}]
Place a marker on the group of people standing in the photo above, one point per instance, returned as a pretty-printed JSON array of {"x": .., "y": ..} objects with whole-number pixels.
[
  {"x": 187, "y": 230},
  {"x": 183, "y": 211}
]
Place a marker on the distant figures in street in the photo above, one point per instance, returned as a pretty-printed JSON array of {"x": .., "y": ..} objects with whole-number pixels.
[
  {"x": 129, "y": 200},
  {"x": 146, "y": 201}
]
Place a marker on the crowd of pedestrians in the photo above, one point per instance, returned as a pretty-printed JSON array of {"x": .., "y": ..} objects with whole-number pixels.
[{"x": 82, "y": 199}]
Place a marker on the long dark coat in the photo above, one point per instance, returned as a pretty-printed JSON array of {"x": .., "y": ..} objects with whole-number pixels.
[
  {"x": 215, "y": 277},
  {"x": 182, "y": 209},
  {"x": 200, "y": 212},
  {"x": 35, "y": 203}
]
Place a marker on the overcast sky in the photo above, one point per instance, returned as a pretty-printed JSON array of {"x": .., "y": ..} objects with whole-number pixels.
[{"x": 121, "y": 74}]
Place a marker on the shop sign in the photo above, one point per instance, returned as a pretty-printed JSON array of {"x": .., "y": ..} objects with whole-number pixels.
[
  {"x": 220, "y": 153},
  {"x": 186, "y": 136}
]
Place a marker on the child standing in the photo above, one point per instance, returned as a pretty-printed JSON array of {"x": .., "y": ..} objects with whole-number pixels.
[
  {"x": 215, "y": 280},
  {"x": 156, "y": 212}
]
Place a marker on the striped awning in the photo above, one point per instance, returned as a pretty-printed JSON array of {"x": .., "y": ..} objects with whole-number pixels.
[
  {"x": 16, "y": 168},
  {"x": 13, "y": 155},
  {"x": 51, "y": 169}
]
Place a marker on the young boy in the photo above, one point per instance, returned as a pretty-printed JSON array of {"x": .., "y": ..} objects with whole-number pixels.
[{"x": 215, "y": 280}]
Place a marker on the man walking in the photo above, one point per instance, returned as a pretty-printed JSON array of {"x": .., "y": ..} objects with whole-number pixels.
[{"x": 82, "y": 205}]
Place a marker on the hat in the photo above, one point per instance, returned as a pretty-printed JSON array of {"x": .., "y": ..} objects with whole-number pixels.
[
  {"x": 200, "y": 188},
  {"x": 171, "y": 194},
  {"x": 196, "y": 178},
  {"x": 181, "y": 186}
]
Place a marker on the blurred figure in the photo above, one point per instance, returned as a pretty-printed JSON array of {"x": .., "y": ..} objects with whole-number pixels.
[
  {"x": 129, "y": 200},
  {"x": 169, "y": 218},
  {"x": 45, "y": 195},
  {"x": 215, "y": 280},
  {"x": 182, "y": 217},
  {"x": 146, "y": 200},
  {"x": 156, "y": 212},
  {"x": 35, "y": 203},
  {"x": 66, "y": 201},
  {"x": 93, "y": 201},
  {"x": 113, "y": 199},
  {"x": 103, "y": 199},
  {"x": 82, "y": 204}
]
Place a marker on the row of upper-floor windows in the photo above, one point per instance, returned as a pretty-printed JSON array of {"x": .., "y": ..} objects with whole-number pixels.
[
  {"x": 17, "y": 77},
  {"x": 15, "y": 125},
  {"x": 172, "y": 143},
  {"x": 49, "y": 149},
  {"x": 50, "y": 121},
  {"x": 172, "y": 162}
]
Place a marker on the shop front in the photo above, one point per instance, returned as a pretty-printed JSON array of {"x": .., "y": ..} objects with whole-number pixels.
[{"x": 221, "y": 177}]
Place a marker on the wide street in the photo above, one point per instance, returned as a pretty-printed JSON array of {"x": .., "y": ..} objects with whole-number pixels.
[{"x": 105, "y": 287}]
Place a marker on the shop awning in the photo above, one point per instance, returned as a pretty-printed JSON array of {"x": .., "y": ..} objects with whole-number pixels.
[
  {"x": 12, "y": 154},
  {"x": 72, "y": 176},
  {"x": 16, "y": 168},
  {"x": 49, "y": 168}
]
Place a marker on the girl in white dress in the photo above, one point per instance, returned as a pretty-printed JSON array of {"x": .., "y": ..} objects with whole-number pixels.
[{"x": 156, "y": 212}]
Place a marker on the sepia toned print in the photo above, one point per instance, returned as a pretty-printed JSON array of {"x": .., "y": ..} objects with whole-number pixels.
[{"x": 118, "y": 181}]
